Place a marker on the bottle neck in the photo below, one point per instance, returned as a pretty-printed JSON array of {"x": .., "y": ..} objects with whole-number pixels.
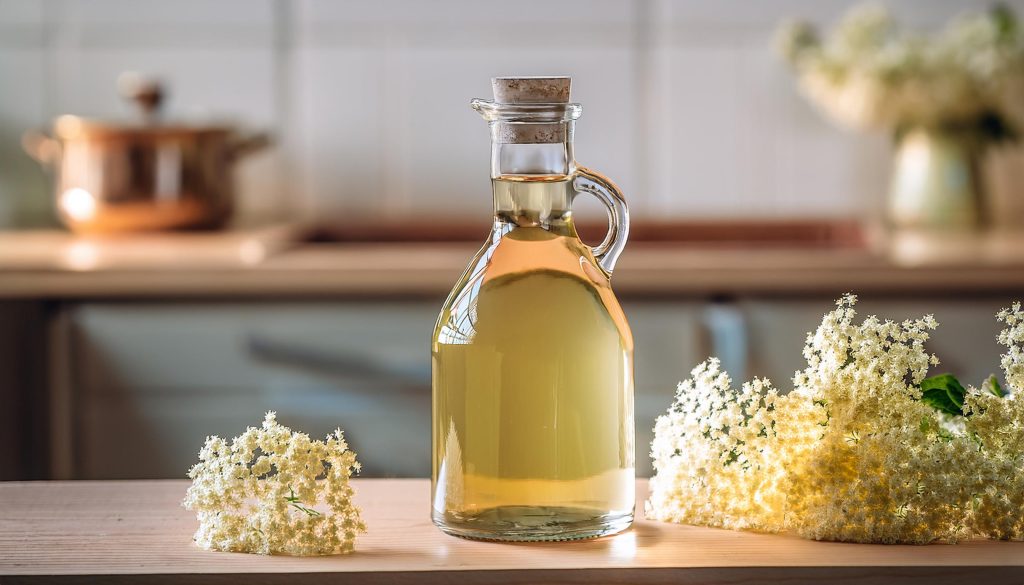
[{"x": 532, "y": 181}]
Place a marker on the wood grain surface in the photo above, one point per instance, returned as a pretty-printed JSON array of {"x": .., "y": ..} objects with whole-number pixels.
[
  {"x": 276, "y": 263},
  {"x": 137, "y": 532}
]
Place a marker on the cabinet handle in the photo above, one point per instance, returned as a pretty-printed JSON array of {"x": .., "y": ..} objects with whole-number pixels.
[{"x": 725, "y": 336}]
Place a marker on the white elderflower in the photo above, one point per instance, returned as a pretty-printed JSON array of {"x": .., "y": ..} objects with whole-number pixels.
[
  {"x": 864, "y": 448},
  {"x": 711, "y": 449},
  {"x": 1013, "y": 338},
  {"x": 275, "y": 491},
  {"x": 869, "y": 73}
]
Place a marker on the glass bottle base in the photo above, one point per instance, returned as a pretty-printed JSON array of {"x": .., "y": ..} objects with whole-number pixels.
[{"x": 533, "y": 524}]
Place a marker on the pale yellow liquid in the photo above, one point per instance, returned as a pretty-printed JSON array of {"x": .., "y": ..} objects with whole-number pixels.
[{"x": 533, "y": 391}]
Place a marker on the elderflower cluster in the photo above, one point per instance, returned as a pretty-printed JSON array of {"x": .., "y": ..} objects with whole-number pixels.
[
  {"x": 1013, "y": 338},
  {"x": 852, "y": 453},
  {"x": 275, "y": 491}
]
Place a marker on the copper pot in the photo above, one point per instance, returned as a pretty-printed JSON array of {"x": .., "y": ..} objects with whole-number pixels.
[{"x": 143, "y": 176}]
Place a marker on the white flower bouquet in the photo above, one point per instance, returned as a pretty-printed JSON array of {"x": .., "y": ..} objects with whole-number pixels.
[
  {"x": 945, "y": 97},
  {"x": 868, "y": 73},
  {"x": 273, "y": 490},
  {"x": 865, "y": 448}
]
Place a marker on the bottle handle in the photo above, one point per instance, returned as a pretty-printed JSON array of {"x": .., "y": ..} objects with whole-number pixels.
[{"x": 600, "y": 186}]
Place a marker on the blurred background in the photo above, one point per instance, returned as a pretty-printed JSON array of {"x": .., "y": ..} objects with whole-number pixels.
[{"x": 348, "y": 187}]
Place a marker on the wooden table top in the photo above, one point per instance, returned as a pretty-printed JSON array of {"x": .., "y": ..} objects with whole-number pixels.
[{"x": 137, "y": 532}]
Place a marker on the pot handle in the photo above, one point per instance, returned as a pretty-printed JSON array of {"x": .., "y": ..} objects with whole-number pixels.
[
  {"x": 42, "y": 147},
  {"x": 245, "y": 145}
]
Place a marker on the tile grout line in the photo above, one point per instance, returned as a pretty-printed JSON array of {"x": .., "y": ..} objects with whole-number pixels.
[
  {"x": 286, "y": 126},
  {"x": 52, "y": 70},
  {"x": 642, "y": 129}
]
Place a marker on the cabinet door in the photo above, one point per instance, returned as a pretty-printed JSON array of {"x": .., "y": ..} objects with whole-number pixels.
[
  {"x": 667, "y": 345},
  {"x": 152, "y": 380}
]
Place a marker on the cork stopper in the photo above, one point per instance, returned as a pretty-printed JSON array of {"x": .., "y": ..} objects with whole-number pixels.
[{"x": 531, "y": 90}]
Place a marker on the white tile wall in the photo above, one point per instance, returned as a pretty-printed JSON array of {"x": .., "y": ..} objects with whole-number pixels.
[
  {"x": 23, "y": 105},
  {"x": 384, "y": 96},
  {"x": 686, "y": 104}
]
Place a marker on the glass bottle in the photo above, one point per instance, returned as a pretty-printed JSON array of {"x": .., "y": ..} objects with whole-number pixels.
[{"x": 532, "y": 356}]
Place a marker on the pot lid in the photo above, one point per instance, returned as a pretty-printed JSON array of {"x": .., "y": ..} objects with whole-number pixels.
[{"x": 148, "y": 95}]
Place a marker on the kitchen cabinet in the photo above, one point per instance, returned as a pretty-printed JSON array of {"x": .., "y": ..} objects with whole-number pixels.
[
  {"x": 22, "y": 404},
  {"x": 149, "y": 380},
  {"x": 152, "y": 380}
]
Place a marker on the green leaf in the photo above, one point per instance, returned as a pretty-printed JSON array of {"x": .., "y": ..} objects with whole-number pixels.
[
  {"x": 944, "y": 393},
  {"x": 308, "y": 511},
  {"x": 991, "y": 385},
  {"x": 298, "y": 505},
  {"x": 1005, "y": 21}
]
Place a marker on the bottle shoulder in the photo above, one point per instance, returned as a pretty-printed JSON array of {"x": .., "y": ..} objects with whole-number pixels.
[
  {"x": 531, "y": 278},
  {"x": 528, "y": 252}
]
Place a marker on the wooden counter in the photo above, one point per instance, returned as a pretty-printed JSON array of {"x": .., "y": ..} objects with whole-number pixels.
[
  {"x": 275, "y": 263},
  {"x": 137, "y": 532}
]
